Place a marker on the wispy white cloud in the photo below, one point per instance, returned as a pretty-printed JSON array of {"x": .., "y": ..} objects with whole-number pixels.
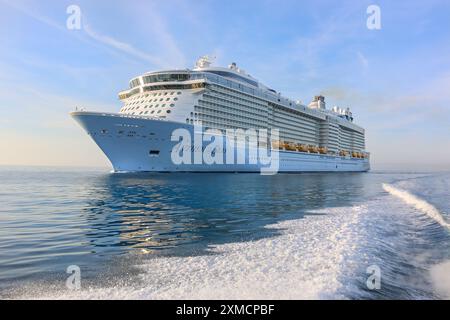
[
  {"x": 167, "y": 40},
  {"x": 122, "y": 46},
  {"x": 103, "y": 39},
  {"x": 155, "y": 26}
]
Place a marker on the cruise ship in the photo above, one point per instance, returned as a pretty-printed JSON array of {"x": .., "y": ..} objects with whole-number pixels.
[{"x": 208, "y": 100}]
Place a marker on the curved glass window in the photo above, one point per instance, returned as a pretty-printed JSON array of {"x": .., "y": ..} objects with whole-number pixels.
[
  {"x": 173, "y": 86},
  {"x": 164, "y": 77},
  {"x": 135, "y": 82},
  {"x": 231, "y": 75}
]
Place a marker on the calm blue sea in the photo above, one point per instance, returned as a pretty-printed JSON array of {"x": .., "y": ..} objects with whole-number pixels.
[{"x": 241, "y": 236}]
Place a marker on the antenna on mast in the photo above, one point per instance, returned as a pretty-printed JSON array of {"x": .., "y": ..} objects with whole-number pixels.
[{"x": 205, "y": 61}]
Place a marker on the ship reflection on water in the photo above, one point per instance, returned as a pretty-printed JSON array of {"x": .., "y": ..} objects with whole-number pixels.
[
  {"x": 87, "y": 218},
  {"x": 178, "y": 213}
]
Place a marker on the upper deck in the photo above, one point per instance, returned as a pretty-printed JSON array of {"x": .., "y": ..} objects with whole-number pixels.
[{"x": 235, "y": 79}]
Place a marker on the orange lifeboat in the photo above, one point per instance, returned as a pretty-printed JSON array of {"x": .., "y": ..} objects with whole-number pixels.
[
  {"x": 290, "y": 146},
  {"x": 313, "y": 149},
  {"x": 323, "y": 150},
  {"x": 302, "y": 148}
]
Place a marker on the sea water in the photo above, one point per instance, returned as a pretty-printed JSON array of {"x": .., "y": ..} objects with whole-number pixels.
[{"x": 223, "y": 236}]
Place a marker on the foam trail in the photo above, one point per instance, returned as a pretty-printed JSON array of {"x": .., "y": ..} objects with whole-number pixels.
[
  {"x": 307, "y": 260},
  {"x": 440, "y": 276},
  {"x": 418, "y": 203}
]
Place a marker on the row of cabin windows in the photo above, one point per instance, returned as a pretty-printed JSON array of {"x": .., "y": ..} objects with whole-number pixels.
[
  {"x": 156, "y": 94},
  {"x": 149, "y": 100},
  {"x": 135, "y": 106},
  {"x": 151, "y": 112},
  {"x": 148, "y": 112},
  {"x": 137, "y": 109},
  {"x": 142, "y": 98},
  {"x": 145, "y": 107}
]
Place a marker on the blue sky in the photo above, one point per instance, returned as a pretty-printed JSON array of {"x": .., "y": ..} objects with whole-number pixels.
[{"x": 396, "y": 80}]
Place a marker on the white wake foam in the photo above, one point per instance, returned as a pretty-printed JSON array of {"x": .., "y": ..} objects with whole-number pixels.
[
  {"x": 440, "y": 276},
  {"x": 418, "y": 203},
  {"x": 305, "y": 262}
]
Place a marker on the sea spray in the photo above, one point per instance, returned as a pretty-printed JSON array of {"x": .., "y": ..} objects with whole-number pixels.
[
  {"x": 440, "y": 277},
  {"x": 418, "y": 203}
]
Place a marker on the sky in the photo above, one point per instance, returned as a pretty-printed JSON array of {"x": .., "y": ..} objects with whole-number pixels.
[{"x": 395, "y": 79}]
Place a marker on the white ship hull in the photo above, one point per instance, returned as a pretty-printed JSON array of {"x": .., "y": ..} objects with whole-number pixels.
[{"x": 142, "y": 144}]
